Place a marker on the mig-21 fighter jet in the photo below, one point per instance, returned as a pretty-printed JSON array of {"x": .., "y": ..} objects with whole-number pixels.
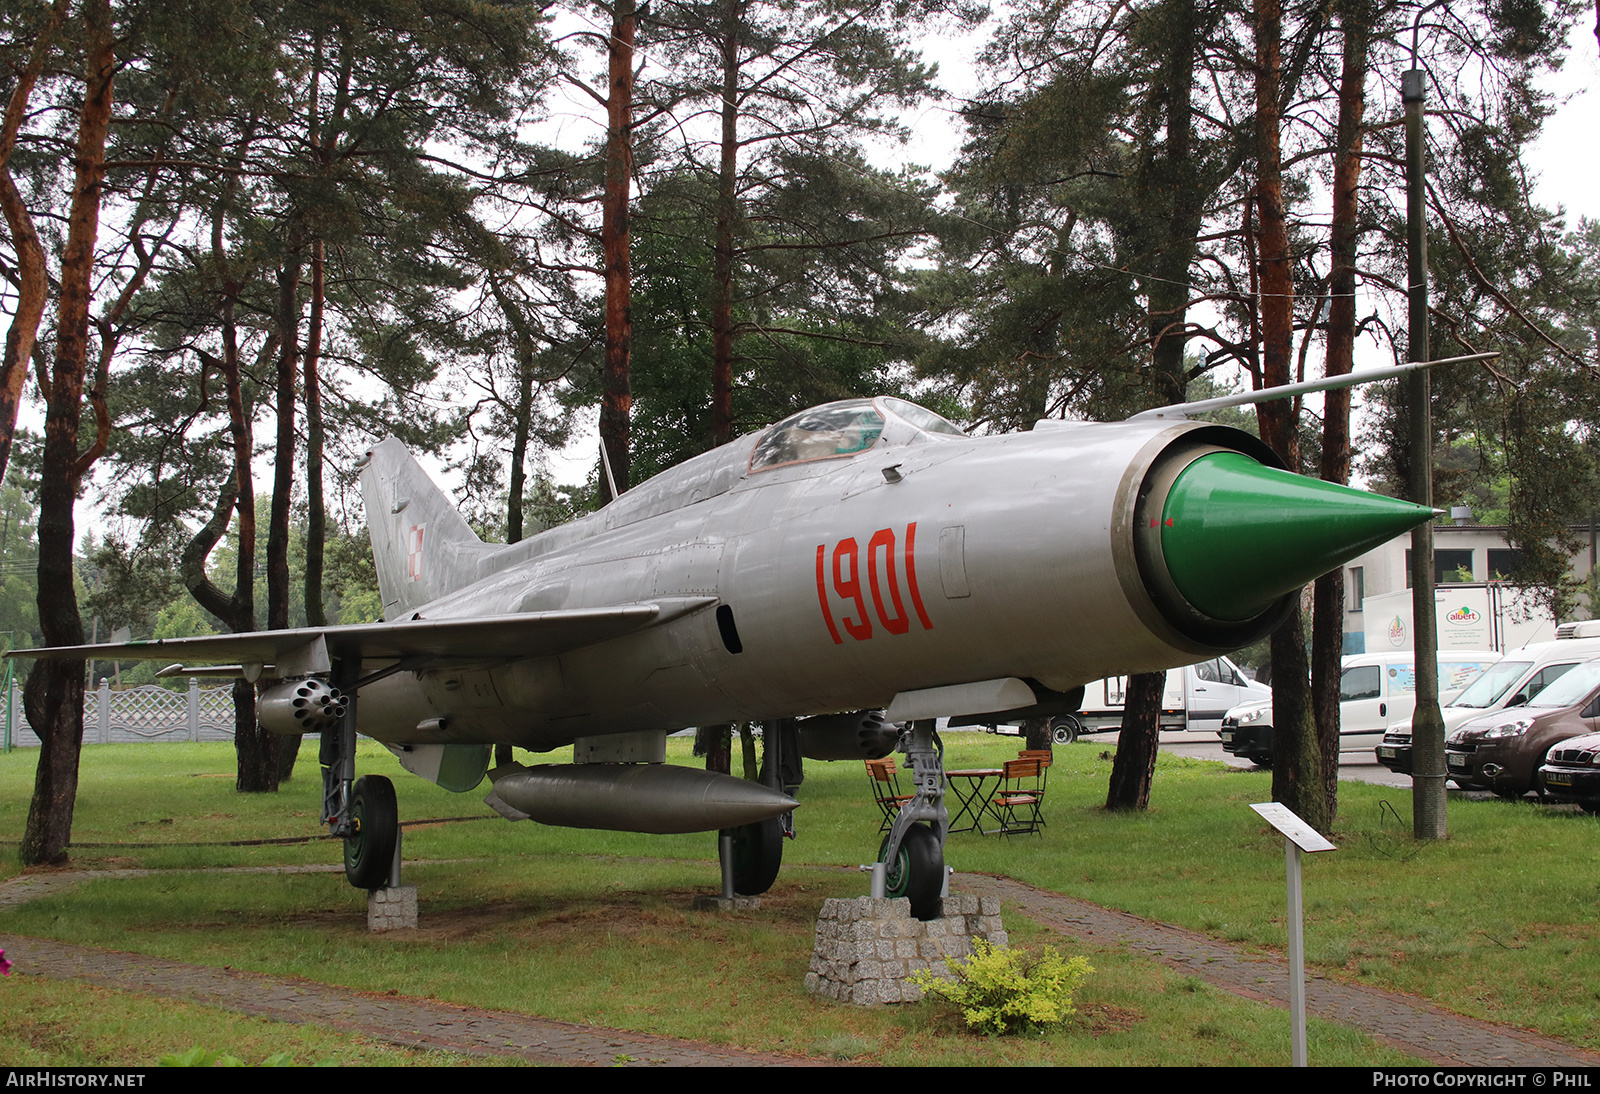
[{"x": 857, "y": 565}]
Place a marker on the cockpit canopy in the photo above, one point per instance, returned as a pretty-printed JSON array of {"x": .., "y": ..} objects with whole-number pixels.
[{"x": 840, "y": 429}]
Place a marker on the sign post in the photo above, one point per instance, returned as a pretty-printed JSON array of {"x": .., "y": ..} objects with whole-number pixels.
[{"x": 1298, "y": 836}]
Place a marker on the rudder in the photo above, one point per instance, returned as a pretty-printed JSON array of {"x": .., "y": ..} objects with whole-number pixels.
[{"x": 422, "y": 547}]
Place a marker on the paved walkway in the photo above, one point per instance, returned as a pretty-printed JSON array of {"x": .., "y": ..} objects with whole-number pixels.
[{"x": 1406, "y": 1022}]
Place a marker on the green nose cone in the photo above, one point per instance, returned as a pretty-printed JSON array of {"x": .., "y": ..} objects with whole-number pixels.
[{"x": 1237, "y": 535}]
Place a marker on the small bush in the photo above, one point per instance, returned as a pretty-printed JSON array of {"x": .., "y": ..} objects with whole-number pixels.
[{"x": 1001, "y": 990}]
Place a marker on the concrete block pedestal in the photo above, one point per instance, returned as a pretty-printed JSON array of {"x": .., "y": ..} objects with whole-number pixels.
[
  {"x": 867, "y": 947},
  {"x": 392, "y": 909}
]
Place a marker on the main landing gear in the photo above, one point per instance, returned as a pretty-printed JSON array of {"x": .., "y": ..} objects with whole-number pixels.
[
  {"x": 913, "y": 851},
  {"x": 752, "y": 854},
  {"x": 362, "y": 810}
]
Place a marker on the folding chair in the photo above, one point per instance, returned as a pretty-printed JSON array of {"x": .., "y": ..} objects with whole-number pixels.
[
  {"x": 1044, "y": 756},
  {"x": 886, "y": 790},
  {"x": 1020, "y": 797}
]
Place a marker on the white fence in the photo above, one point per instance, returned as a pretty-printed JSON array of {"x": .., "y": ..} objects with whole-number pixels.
[{"x": 144, "y": 713}]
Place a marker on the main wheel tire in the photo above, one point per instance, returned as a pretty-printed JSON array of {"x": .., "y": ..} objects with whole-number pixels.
[
  {"x": 1509, "y": 794},
  {"x": 1591, "y": 806},
  {"x": 757, "y": 856},
  {"x": 918, "y": 871},
  {"x": 369, "y": 851},
  {"x": 1065, "y": 729},
  {"x": 1260, "y": 759}
]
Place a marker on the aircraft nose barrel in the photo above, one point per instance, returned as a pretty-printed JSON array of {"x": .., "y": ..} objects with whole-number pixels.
[{"x": 1236, "y": 536}]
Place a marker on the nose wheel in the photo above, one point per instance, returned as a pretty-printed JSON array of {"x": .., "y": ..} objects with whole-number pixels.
[
  {"x": 917, "y": 871},
  {"x": 913, "y": 851}
]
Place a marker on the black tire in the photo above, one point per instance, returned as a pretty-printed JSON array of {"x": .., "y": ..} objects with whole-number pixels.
[
  {"x": 757, "y": 856},
  {"x": 1590, "y": 807},
  {"x": 1261, "y": 759},
  {"x": 1509, "y": 794},
  {"x": 1065, "y": 729},
  {"x": 369, "y": 851},
  {"x": 918, "y": 871}
]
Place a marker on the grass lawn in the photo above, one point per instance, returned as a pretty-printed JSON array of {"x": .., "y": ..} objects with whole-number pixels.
[{"x": 1496, "y": 922}]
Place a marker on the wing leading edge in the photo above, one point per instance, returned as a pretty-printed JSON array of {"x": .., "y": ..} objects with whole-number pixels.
[{"x": 498, "y": 638}]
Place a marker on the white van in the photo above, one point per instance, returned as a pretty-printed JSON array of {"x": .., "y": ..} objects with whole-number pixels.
[
  {"x": 1510, "y": 682},
  {"x": 1196, "y": 697},
  {"x": 1374, "y": 689}
]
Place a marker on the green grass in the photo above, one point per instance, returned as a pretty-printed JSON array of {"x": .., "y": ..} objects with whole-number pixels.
[
  {"x": 51, "y": 1023},
  {"x": 1495, "y": 922}
]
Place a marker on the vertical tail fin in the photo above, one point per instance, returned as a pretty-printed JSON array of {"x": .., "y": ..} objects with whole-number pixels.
[{"x": 421, "y": 545}]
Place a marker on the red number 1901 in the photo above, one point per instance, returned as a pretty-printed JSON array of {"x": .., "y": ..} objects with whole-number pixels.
[{"x": 882, "y": 577}]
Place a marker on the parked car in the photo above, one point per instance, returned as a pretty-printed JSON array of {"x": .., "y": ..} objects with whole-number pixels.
[
  {"x": 1571, "y": 772},
  {"x": 1373, "y": 689},
  {"x": 1510, "y": 682},
  {"x": 1503, "y": 751}
]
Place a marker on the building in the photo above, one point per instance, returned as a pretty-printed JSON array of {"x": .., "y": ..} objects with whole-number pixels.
[{"x": 1467, "y": 557}]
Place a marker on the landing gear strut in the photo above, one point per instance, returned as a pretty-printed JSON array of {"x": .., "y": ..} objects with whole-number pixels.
[
  {"x": 754, "y": 856},
  {"x": 913, "y": 852},
  {"x": 362, "y": 810}
]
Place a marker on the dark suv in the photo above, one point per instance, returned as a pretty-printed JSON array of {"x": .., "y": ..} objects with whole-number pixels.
[
  {"x": 1502, "y": 751},
  {"x": 1571, "y": 772}
]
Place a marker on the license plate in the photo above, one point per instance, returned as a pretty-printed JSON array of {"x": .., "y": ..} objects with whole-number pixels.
[
  {"x": 1557, "y": 778},
  {"x": 1227, "y": 738},
  {"x": 1456, "y": 762},
  {"x": 1386, "y": 753}
]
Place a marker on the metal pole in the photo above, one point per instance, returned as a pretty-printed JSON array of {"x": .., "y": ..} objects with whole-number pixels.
[
  {"x": 1297, "y": 956},
  {"x": 1427, "y": 724}
]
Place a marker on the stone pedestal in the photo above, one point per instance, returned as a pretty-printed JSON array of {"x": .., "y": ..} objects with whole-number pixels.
[
  {"x": 866, "y": 948},
  {"x": 391, "y": 909}
]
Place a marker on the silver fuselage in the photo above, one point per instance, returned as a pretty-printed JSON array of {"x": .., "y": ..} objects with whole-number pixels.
[{"x": 974, "y": 558}]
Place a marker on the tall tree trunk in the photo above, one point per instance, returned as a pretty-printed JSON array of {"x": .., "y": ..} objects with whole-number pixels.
[
  {"x": 1170, "y": 187},
  {"x": 1036, "y": 735},
  {"x": 256, "y": 748},
  {"x": 715, "y": 743},
  {"x": 316, "y": 510},
  {"x": 1179, "y": 196},
  {"x": 523, "y": 345},
  {"x": 55, "y": 688},
  {"x": 1327, "y": 620},
  {"x": 1135, "y": 764},
  {"x": 236, "y": 609},
  {"x": 288, "y": 746},
  {"x": 616, "y": 402},
  {"x": 722, "y": 245},
  {"x": 1297, "y": 779},
  {"x": 33, "y": 283}
]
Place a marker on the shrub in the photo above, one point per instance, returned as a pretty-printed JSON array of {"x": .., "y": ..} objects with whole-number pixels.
[{"x": 1001, "y": 990}]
